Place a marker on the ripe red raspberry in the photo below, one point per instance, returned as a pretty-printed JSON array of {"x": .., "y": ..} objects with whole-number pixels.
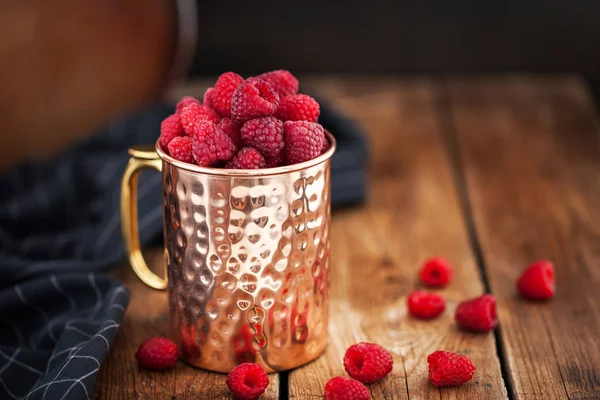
[
  {"x": 298, "y": 107},
  {"x": 247, "y": 158},
  {"x": 303, "y": 140},
  {"x": 264, "y": 134},
  {"x": 253, "y": 99},
  {"x": 436, "y": 272},
  {"x": 232, "y": 130},
  {"x": 210, "y": 145},
  {"x": 180, "y": 149},
  {"x": 367, "y": 362},
  {"x": 207, "y": 98},
  {"x": 478, "y": 314},
  {"x": 342, "y": 388},
  {"x": 247, "y": 381},
  {"x": 537, "y": 281},
  {"x": 425, "y": 305},
  {"x": 170, "y": 128},
  {"x": 282, "y": 81},
  {"x": 326, "y": 145},
  {"x": 226, "y": 84},
  {"x": 157, "y": 353},
  {"x": 195, "y": 112},
  {"x": 449, "y": 369},
  {"x": 184, "y": 102},
  {"x": 274, "y": 161}
]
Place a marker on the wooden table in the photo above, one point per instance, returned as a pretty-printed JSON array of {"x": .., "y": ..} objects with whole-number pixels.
[{"x": 491, "y": 173}]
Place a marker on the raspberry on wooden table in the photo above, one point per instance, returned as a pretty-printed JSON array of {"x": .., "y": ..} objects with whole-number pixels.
[
  {"x": 537, "y": 281},
  {"x": 208, "y": 96},
  {"x": 265, "y": 134},
  {"x": 247, "y": 381},
  {"x": 157, "y": 353},
  {"x": 282, "y": 81},
  {"x": 210, "y": 144},
  {"x": 180, "y": 149},
  {"x": 247, "y": 158},
  {"x": 254, "y": 98},
  {"x": 299, "y": 107},
  {"x": 436, "y": 272},
  {"x": 368, "y": 362},
  {"x": 184, "y": 102},
  {"x": 478, "y": 314},
  {"x": 342, "y": 388},
  {"x": 224, "y": 88},
  {"x": 449, "y": 369},
  {"x": 425, "y": 305},
  {"x": 170, "y": 128},
  {"x": 195, "y": 112},
  {"x": 231, "y": 129},
  {"x": 303, "y": 140}
]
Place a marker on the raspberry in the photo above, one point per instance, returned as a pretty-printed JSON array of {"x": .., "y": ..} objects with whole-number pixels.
[
  {"x": 210, "y": 144},
  {"x": 303, "y": 140},
  {"x": 232, "y": 130},
  {"x": 247, "y": 158},
  {"x": 274, "y": 161},
  {"x": 253, "y": 99},
  {"x": 157, "y": 353},
  {"x": 425, "y": 305},
  {"x": 184, "y": 102},
  {"x": 282, "y": 81},
  {"x": 436, "y": 272},
  {"x": 223, "y": 90},
  {"x": 449, "y": 369},
  {"x": 180, "y": 149},
  {"x": 195, "y": 112},
  {"x": 537, "y": 281},
  {"x": 342, "y": 388},
  {"x": 299, "y": 107},
  {"x": 207, "y": 98},
  {"x": 247, "y": 381},
  {"x": 367, "y": 362},
  {"x": 170, "y": 128},
  {"x": 326, "y": 145},
  {"x": 478, "y": 314},
  {"x": 264, "y": 134}
]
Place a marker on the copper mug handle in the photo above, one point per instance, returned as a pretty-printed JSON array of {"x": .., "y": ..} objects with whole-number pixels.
[{"x": 141, "y": 158}]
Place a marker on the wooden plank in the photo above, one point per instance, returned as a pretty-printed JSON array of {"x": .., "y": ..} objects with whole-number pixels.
[
  {"x": 120, "y": 378},
  {"x": 413, "y": 213},
  {"x": 531, "y": 153}
]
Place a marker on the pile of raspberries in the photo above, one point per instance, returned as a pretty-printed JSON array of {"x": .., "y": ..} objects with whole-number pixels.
[
  {"x": 259, "y": 122},
  {"x": 368, "y": 363}
]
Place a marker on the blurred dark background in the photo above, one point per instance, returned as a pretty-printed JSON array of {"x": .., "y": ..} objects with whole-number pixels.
[{"x": 401, "y": 37}]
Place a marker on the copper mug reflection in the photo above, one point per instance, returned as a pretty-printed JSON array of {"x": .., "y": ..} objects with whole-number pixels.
[{"x": 247, "y": 255}]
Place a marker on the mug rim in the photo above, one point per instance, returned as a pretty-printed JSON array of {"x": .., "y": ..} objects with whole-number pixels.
[{"x": 251, "y": 172}]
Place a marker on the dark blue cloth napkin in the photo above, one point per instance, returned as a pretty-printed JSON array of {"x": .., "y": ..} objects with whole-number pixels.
[{"x": 60, "y": 229}]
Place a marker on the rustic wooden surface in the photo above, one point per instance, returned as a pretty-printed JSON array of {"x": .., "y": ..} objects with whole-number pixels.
[{"x": 492, "y": 174}]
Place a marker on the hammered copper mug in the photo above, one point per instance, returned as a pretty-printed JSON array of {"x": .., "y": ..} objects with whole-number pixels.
[{"x": 247, "y": 254}]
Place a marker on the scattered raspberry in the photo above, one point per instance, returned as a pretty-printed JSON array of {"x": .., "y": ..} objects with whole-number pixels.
[
  {"x": 537, "y": 281},
  {"x": 223, "y": 91},
  {"x": 264, "y": 134},
  {"x": 232, "y": 130},
  {"x": 253, "y": 99},
  {"x": 478, "y": 314},
  {"x": 180, "y": 149},
  {"x": 303, "y": 140},
  {"x": 247, "y": 158},
  {"x": 247, "y": 381},
  {"x": 195, "y": 112},
  {"x": 282, "y": 81},
  {"x": 210, "y": 144},
  {"x": 184, "y": 102},
  {"x": 170, "y": 128},
  {"x": 298, "y": 107},
  {"x": 367, "y": 362},
  {"x": 449, "y": 369},
  {"x": 207, "y": 98},
  {"x": 436, "y": 272},
  {"x": 425, "y": 305},
  {"x": 341, "y": 388},
  {"x": 157, "y": 353},
  {"x": 274, "y": 161}
]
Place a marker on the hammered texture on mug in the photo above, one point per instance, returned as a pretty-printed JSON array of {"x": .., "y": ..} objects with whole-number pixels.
[{"x": 247, "y": 260}]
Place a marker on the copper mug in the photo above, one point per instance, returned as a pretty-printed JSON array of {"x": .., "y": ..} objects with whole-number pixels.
[{"x": 247, "y": 255}]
